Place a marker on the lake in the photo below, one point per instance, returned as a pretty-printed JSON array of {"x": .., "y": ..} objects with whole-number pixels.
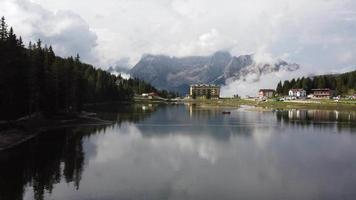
[{"x": 189, "y": 152}]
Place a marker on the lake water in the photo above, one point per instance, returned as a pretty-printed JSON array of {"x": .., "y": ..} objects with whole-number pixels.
[{"x": 187, "y": 152}]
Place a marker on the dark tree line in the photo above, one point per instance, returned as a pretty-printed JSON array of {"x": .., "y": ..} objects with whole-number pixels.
[
  {"x": 33, "y": 79},
  {"x": 140, "y": 86},
  {"x": 342, "y": 84}
]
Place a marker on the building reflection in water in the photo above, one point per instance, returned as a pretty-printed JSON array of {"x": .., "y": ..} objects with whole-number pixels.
[
  {"x": 196, "y": 111},
  {"x": 340, "y": 119},
  {"x": 62, "y": 155}
]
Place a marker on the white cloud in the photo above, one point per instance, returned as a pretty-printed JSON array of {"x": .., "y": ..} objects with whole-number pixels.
[
  {"x": 250, "y": 87},
  {"x": 253, "y": 82},
  {"x": 209, "y": 39},
  {"x": 66, "y": 31},
  {"x": 312, "y": 33}
]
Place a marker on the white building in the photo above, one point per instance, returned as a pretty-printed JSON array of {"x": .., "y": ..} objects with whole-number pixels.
[{"x": 299, "y": 93}]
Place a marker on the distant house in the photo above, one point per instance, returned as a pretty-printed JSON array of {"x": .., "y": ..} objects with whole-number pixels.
[
  {"x": 268, "y": 93},
  {"x": 324, "y": 93},
  {"x": 298, "y": 93},
  {"x": 149, "y": 95},
  {"x": 204, "y": 91},
  {"x": 153, "y": 94}
]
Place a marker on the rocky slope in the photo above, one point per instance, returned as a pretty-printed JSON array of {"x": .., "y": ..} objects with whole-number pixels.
[{"x": 177, "y": 74}]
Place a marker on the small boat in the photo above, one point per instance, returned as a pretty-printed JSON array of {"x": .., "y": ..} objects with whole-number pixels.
[{"x": 226, "y": 112}]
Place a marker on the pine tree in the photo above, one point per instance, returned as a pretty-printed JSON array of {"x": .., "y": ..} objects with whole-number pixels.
[
  {"x": 77, "y": 58},
  {"x": 306, "y": 84},
  {"x": 279, "y": 88},
  {"x": 298, "y": 83},
  {"x": 321, "y": 82},
  {"x": 286, "y": 87},
  {"x": 36, "y": 80},
  {"x": 292, "y": 84},
  {"x": 3, "y": 29},
  {"x": 351, "y": 80}
]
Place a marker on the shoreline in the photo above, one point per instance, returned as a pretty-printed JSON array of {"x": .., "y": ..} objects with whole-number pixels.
[
  {"x": 280, "y": 105},
  {"x": 23, "y": 131}
]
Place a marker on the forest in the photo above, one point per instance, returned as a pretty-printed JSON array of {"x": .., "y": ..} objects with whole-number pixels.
[
  {"x": 33, "y": 79},
  {"x": 343, "y": 84}
]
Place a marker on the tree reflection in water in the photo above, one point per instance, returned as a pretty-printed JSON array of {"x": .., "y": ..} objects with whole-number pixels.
[
  {"x": 43, "y": 162},
  {"x": 60, "y": 156},
  {"x": 56, "y": 156}
]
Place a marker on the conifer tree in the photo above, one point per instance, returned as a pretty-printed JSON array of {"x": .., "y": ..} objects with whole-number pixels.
[
  {"x": 3, "y": 29},
  {"x": 34, "y": 79},
  {"x": 279, "y": 88}
]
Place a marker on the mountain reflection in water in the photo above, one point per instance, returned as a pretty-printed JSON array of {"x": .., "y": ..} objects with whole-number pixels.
[{"x": 188, "y": 152}]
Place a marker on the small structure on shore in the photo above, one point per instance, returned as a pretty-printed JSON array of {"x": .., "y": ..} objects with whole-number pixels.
[
  {"x": 266, "y": 93},
  {"x": 149, "y": 95},
  {"x": 206, "y": 91},
  {"x": 298, "y": 93},
  {"x": 324, "y": 93}
]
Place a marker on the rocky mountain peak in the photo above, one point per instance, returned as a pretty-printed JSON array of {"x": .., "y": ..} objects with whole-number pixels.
[{"x": 177, "y": 74}]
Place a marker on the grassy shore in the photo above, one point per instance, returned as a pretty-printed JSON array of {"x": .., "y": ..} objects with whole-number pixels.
[{"x": 274, "y": 104}]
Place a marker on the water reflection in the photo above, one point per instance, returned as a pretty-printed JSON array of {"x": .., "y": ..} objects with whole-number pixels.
[
  {"x": 200, "y": 121},
  {"x": 325, "y": 119},
  {"x": 179, "y": 152},
  {"x": 44, "y": 162},
  {"x": 58, "y": 156},
  {"x": 123, "y": 112}
]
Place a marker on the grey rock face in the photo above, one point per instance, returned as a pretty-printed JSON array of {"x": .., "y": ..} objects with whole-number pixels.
[{"x": 177, "y": 74}]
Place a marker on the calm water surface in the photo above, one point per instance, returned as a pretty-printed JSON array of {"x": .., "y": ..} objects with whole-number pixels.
[{"x": 185, "y": 152}]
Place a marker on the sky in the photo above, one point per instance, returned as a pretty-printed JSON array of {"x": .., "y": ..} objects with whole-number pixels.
[{"x": 320, "y": 35}]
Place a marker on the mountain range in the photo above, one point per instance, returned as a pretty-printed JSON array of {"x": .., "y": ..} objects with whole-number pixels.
[{"x": 177, "y": 74}]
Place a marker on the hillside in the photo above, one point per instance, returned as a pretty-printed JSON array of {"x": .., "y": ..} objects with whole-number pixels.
[
  {"x": 176, "y": 74},
  {"x": 343, "y": 84},
  {"x": 33, "y": 79}
]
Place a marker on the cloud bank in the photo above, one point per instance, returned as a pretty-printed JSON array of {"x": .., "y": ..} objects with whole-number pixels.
[
  {"x": 66, "y": 31},
  {"x": 250, "y": 87},
  {"x": 319, "y": 35}
]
